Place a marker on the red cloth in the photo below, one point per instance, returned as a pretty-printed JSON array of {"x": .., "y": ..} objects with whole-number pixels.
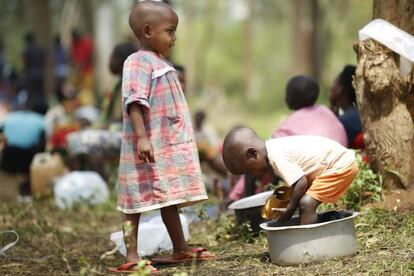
[
  {"x": 82, "y": 51},
  {"x": 358, "y": 142},
  {"x": 58, "y": 138}
]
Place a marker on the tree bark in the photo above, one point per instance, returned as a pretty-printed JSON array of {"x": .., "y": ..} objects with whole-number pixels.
[
  {"x": 306, "y": 27},
  {"x": 40, "y": 19},
  {"x": 248, "y": 39},
  {"x": 104, "y": 42},
  {"x": 386, "y": 99}
]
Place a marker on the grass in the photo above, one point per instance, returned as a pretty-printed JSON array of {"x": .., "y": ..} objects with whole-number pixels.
[{"x": 71, "y": 242}]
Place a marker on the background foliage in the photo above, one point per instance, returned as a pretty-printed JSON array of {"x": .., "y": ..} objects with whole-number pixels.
[{"x": 212, "y": 40}]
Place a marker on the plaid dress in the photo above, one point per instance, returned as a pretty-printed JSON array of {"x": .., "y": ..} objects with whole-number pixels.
[{"x": 175, "y": 177}]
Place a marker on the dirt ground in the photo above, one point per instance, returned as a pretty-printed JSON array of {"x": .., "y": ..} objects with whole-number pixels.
[
  {"x": 397, "y": 200},
  {"x": 72, "y": 242}
]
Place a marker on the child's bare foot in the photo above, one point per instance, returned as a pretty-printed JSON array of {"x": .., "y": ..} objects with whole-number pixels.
[
  {"x": 132, "y": 258},
  {"x": 189, "y": 254},
  {"x": 194, "y": 252}
]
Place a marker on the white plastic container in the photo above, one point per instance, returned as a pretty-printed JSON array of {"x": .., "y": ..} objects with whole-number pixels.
[
  {"x": 152, "y": 236},
  {"x": 293, "y": 244},
  {"x": 249, "y": 209},
  {"x": 44, "y": 167}
]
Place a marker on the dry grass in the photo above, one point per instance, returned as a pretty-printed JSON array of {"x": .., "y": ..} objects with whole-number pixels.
[{"x": 54, "y": 242}]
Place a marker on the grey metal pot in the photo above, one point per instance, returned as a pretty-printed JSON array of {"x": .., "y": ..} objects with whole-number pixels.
[
  {"x": 249, "y": 209},
  {"x": 291, "y": 244}
]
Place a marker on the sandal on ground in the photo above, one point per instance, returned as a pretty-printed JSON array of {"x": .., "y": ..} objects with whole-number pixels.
[
  {"x": 196, "y": 254},
  {"x": 131, "y": 267}
]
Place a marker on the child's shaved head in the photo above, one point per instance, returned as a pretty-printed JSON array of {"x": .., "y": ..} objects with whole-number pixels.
[
  {"x": 235, "y": 145},
  {"x": 147, "y": 12}
]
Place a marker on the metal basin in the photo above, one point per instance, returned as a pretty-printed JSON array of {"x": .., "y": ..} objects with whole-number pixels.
[
  {"x": 291, "y": 244},
  {"x": 249, "y": 209}
]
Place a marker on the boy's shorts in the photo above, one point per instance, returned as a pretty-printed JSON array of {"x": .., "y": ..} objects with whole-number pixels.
[{"x": 328, "y": 188}]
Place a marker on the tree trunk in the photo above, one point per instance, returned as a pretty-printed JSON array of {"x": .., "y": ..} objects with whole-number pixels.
[
  {"x": 88, "y": 12},
  {"x": 40, "y": 18},
  {"x": 386, "y": 99},
  {"x": 104, "y": 42},
  {"x": 306, "y": 22},
  {"x": 248, "y": 39},
  {"x": 190, "y": 46},
  {"x": 315, "y": 56}
]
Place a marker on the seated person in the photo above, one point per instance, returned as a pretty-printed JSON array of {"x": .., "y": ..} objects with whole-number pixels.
[
  {"x": 60, "y": 120},
  {"x": 211, "y": 160},
  {"x": 97, "y": 145},
  {"x": 23, "y": 136},
  {"x": 309, "y": 118},
  {"x": 317, "y": 168},
  {"x": 206, "y": 145},
  {"x": 343, "y": 103}
]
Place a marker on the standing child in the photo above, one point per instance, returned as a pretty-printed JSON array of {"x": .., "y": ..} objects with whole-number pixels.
[
  {"x": 317, "y": 168},
  {"x": 159, "y": 167}
]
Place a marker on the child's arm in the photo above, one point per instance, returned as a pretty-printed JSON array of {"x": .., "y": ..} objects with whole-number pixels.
[
  {"x": 299, "y": 190},
  {"x": 145, "y": 150}
]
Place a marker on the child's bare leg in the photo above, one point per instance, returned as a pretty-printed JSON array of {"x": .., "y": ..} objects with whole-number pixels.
[
  {"x": 307, "y": 210},
  {"x": 130, "y": 227},
  {"x": 171, "y": 219}
]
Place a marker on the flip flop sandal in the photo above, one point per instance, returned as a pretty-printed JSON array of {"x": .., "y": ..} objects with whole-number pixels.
[
  {"x": 196, "y": 254},
  {"x": 130, "y": 267}
]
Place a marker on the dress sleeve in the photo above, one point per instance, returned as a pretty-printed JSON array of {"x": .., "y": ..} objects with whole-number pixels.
[{"x": 136, "y": 81}]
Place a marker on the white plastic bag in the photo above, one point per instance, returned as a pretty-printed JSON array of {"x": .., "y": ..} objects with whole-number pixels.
[
  {"x": 393, "y": 38},
  {"x": 152, "y": 236},
  {"x": 80, "y": 187}
]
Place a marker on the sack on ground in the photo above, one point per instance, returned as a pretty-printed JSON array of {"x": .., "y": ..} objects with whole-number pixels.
[
  {"x": 152, "y": 236},
  {"x": 80, "y": 187}
]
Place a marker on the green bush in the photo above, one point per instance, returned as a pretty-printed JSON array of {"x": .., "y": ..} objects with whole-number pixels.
[
  {"x": 227, "y": 229},
  {"x": 366, "y": 188}
]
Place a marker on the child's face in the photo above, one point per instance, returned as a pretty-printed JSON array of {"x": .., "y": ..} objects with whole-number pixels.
[
  {"x": 163, "y": 37},
  {"x": 335, "y": 92},
  {"x": 256, "y": 166}
]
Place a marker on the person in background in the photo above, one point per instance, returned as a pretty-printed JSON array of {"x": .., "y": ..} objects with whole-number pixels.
[
  {"x": 111, "y": 109},
  {"x": 23, "y": 135},
  {"x": 60, "y": 63},
  {"x": 3, "y": 78},
  {"x": 181, "y": 75},
  {"x": 82, "y": 58},
  {"x": 210, "y": 154},
  {"x": 97, "y": 145},
  {"x": 34, "y": 60},
  {"x": 343, "y": 103},
  {"x": 307, "y": 117},
  {"x": 60, "y": 120},
  {"x": 8, "y": 85}
]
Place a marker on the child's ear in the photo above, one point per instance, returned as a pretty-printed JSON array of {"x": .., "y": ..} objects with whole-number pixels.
[
  {"x": 147, "y": 30},
  {"x": 251, "y": 153}
]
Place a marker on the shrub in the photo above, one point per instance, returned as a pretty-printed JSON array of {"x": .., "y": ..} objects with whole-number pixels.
[{"x": 366, "y": 188}]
